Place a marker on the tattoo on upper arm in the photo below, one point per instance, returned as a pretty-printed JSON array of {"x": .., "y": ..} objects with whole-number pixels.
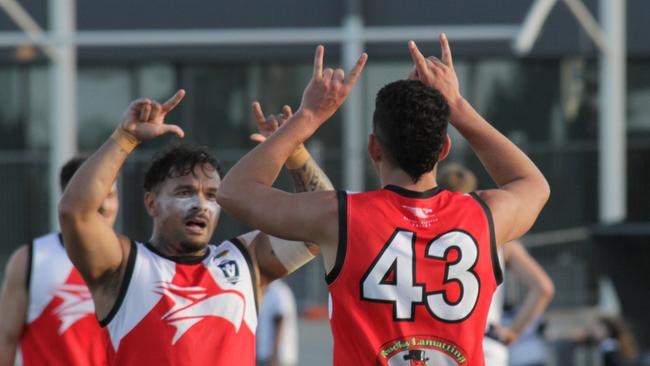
[{"x": 310, "y": 178}]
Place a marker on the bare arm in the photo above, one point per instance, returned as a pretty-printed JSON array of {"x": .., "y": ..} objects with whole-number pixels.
[
  {"x": 523, "y": 190},
  {"x": 539, "y": 285},
  {"x": 93, "y": 246},
  {"x": 246, "y": 191},
  {"x": 14, "y": 300},
  {"x": 277, "y": 257}
]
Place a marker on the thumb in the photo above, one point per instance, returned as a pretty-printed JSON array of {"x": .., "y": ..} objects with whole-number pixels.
[
  {"x": 167, "y": 128},
  {"x": 259, "y": 138}
]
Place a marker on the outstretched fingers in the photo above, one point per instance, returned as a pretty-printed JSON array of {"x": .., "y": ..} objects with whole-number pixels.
[
  {"x": 418, "y": 59},
  {"x": 446, "y": 51},
  {"x": 356, "y": 70},
  {"x": 259, "y": 115},
  {"x": 176, "y": 130},
  {"x": 172, "y": 102},
  {"x": 318, "y": 62}
]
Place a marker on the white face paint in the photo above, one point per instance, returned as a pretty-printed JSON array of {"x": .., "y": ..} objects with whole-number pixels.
[{"x": 187, "y": 204}]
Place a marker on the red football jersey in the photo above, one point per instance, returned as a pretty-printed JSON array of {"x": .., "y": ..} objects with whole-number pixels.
[
  {"x": 185, "y": 311},
  {"x": 413, "y": 278},
  {"x": 61, "y": 325}
]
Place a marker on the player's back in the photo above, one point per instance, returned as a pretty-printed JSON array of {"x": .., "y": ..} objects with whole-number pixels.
[{"x": 413, "y": 279}]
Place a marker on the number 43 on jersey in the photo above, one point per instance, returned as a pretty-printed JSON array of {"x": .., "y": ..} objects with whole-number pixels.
[{"x": 397, "y": 258}]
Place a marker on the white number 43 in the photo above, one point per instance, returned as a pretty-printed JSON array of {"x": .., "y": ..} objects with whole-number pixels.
[{"x": 397, "y": 257}]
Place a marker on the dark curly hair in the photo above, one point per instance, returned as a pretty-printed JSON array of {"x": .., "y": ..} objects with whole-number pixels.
[
  {"x": 410, "y": 122},
  {"x": 177, "y": 160},
  {"x": 68, "y": 170}
]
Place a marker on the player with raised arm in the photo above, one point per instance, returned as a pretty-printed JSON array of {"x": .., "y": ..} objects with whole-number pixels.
[
  {"x": 410, "y": 267},
  {"x": 176, "y": 300},
  {"x": 45, "y": 305}
]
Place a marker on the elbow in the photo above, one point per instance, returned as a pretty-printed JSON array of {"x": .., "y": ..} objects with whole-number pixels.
[
  {"x": 69, "y": 212},
  {"x": 547, "y": 290},
  {"x": 545, "y": 191}
]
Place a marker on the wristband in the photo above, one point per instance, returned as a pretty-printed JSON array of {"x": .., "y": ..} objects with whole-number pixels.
[
  {"x": 125, "y": 140},
  {"x": 299, "y": 158}
]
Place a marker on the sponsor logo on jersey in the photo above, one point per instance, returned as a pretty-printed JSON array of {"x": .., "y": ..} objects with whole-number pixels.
[
  {"x": 230, "y": 269},
  {"x": 419, "y": 217},
  {"x": 77, "y": 304},
  {"x": 194, "y": 304},
  {"x": 421, "y": 351}
]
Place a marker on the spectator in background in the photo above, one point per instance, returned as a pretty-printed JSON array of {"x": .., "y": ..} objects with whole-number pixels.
[
  {"x": 514, "y": 256},
  {"x": 615, "y": 341},
  {"x": 277, "y": 330}
]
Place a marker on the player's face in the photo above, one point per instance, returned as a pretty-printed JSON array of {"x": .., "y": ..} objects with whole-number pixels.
[
  {"x": 110, "y": 206},
  {"x": 187, "y": 209}
]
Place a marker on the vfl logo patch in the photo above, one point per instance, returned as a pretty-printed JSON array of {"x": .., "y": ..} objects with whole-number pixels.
[
  {"x": 193, "y": 304},
  {"x": 230, "y": 269},
  {"x": 77, "y": 303}
]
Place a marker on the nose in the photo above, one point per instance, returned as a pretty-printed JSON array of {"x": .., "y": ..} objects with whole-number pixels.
[{"x": 200, "y": 202}]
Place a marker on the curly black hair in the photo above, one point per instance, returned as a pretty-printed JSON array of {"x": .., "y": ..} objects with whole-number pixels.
[
  {"x": 410, "y": 122},
  {"x": 68, "y": 170},
  {"x": 177, "y": 160}
]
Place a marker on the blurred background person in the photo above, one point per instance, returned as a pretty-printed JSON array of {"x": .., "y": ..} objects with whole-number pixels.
[
  {"x": 45, "y": 304},
  {"x": 516, "y": 259},
  {"x": 277, "y": 328}
]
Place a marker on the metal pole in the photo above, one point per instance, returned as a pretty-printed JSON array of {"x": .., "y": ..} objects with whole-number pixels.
[
  {"x": 63, "y": 94},
  {"x": 353, "y": 126},
  {"x": 612, "y": 139}
]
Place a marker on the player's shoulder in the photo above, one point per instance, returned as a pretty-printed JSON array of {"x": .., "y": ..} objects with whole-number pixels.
[{"x": 15, "y": 270}]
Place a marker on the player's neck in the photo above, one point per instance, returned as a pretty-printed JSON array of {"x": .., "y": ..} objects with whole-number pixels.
[{"x": 398, "y": 177}]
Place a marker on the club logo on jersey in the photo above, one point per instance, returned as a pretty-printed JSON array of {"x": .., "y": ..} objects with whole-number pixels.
[
  {"x": 421, "y": 351},
  {"x": 419, "y": 217},
  {"x": 77, "y": 303},
  {"x": 194, "y": 304},
  {"x": 230, "y": 269}
]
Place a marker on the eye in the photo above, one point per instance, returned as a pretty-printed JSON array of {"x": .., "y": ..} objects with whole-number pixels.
[
  {"x": 183, "y": 193},
  {"x": 212, "y": 196}
]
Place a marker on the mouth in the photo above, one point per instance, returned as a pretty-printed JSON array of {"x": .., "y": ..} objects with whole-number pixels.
[{"x": 196, "y": 225}]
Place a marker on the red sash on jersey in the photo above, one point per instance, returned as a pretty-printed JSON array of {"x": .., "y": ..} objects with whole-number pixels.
[
  {"x": 66, "y": 331},
  {"x": 413, "y": 278}
]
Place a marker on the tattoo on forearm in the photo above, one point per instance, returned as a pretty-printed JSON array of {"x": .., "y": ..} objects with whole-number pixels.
[{"x": 310, "y": 178}]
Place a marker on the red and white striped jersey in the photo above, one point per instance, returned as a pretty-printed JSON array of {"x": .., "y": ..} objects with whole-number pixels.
[
  {"x": 413, "y": 278},
  {"x": 61, "y": 325},
  {"x": 185, "y": 310}
]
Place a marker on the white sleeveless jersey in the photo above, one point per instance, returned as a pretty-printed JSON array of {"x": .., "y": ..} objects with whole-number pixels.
[
  {"x": 61, "y": 325},
  {"x": 496, "y": 353},
  {"x": 185, "y": 311}
]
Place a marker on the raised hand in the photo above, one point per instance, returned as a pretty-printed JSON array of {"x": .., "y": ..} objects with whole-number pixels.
[
  {"x": 145, "y": 118},
  {"x": 328, "y": 88},
  {"x": 267, "y": 125},
  {"x": 438, "y": 74}
]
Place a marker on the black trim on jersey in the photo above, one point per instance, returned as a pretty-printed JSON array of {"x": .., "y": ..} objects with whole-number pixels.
[
  {"x": 342, "y": 248},
  {"x": 60, "y": 235},
  {"x": 180, "y": 259},
  {"x": 413, "y": 194},
  {"x": 126, "y": 281},
  {"x": 30, "y": 258},
  {"x": 251, "y": 269},
  {"x": 496, "y": 266}
]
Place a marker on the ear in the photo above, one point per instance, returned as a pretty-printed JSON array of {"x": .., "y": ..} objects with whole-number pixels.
[
  {"x": 446, "y": 148},
  {"x": 150, "y": 204},
  {"x": 374, "y": 149}
]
